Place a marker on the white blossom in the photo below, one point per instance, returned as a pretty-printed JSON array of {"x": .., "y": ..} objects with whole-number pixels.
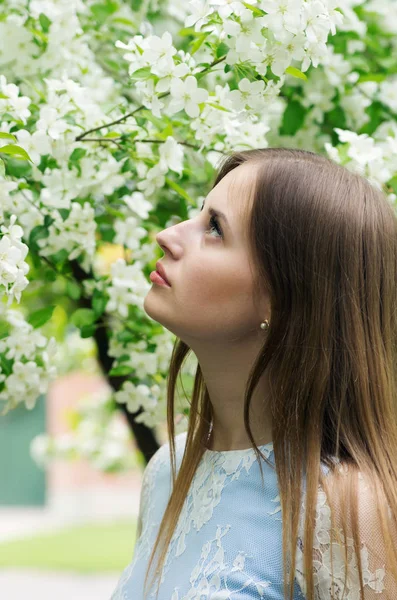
[
  {"x": 170, "y": 74},
  {"x": 103, "y": 439},
  {"x": 198, "y": 11},
  {"x": 36, "y": 144},
  {"x": 367, "y": 156},
  {"x": 248, "y": 94},
  {"x": 137, "y": 203},
  {"x": 149, "y": 96},
  {"x": 187, "y": 95},
  {"x": 159, "y": 52},
  {"x": 282, "y": 15},
  {"x": 11, "y": 102},
  {"x": 13, "y": 267},
  {"x": 388, "y": 93},
  {"x": 128, "y": 286},
  {"x": 27, "y": 379},
  {"x": 153, "y": 181},
  {"x": 171, "y": 155},
  {"x": 128, "y": 233}
]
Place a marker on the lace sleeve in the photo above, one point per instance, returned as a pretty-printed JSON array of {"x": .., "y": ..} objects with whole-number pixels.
[
  {"x": 139, "y": 524},
  {"x": 146, "y": 480},
  {"x": 378, "y": 583},
  {"x": 156, "y": 472}
]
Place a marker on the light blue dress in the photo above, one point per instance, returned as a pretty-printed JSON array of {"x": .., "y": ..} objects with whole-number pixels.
[{"x": 228, "y": 541}]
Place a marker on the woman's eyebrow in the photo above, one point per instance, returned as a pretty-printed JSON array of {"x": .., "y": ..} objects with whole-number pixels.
[{"x": 217, "y": 213}]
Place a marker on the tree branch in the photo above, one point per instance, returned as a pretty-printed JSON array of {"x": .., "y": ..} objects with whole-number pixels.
[
  {"x": 127, "y": 116},
  {"x": 114, "y": 140}
]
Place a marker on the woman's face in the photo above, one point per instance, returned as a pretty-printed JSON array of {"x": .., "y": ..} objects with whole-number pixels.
[{"x": 207, "y": 264}]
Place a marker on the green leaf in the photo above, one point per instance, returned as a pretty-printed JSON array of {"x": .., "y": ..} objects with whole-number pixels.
[
  {"x": 74, "y": 159},
  {"x": 44, "y": 22},
  {"x": 125, "y": 336},
  {"x": 343, "y": 150},
  {"x": 18, "y": 168},
  {"x": 50, "y": 275},
  {"x": 166, "y": 132},
  {"x": 375, "y": 111},
  {"x": 113, "y": 211},
  {"x": 40, "y": 317},
  {"x": 6, "y": 365},
  {"x": 336, "y": 118},
  {"x": 87, "y": 331},
  {"x": 293, "y": 118},
  {"x": 82, "y": 316},
  {"x": 64, "y": 212},
  {"x": 36, "y": 259},
  {"x": 2, "y": 168},
  {"x": 393, "y": 184},
  {"x": 4, "y": 330},
  {"x": 99, "y": 302},
  {"x": 222, "y": 49},
  {"x": 172, "y": 184},
  {"x": 15, "y": 151},
  {"x": 101, "y": 12},
  {"x": 198, "y": 42},
  {"x": 257, "y": 11},
  {"x": 73, "y": 289},
  {"x": 124, "y": 21},
  {"x": 47, "y": 162},
  {"x": 120, "y": 371},
  {"x": 77, "y": 154},
  {"x": 296, "y": 73},
  {"x": 136, "y": 5},
  {"x": 48, "y": 220},
  {"x": 389, "y": 63},
  {"x": 107, "y": 232},
  {"x": 41, "y": 35},
  {"x": 372, "y": 77},
  {"x": 7, "y": 136},
  {"x": 188, "y": 31},
  {"x": 218, "y": 107},
  {"x": 143, "y": 73},
  {"x": 38, "y": 233},
  {"x": 159, "y": 123},
  {"x": 59, "y": 258}
]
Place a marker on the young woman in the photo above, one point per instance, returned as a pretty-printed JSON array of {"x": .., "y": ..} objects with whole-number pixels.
[{"x": 284, "y": 287}]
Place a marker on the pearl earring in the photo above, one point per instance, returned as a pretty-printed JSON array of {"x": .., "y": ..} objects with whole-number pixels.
[{"x": 265, "y": 324}]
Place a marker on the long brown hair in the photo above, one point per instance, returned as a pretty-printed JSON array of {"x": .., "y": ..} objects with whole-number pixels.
[{"x": 324, "y": 244}]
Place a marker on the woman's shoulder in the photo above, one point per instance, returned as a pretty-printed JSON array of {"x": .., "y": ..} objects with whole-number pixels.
[
  {"x": 332, "y": 496},
  {"x": 163, "y": 453},
  {"x": 159, "y": 466}
]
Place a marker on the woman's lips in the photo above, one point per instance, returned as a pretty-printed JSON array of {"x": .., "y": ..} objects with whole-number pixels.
[
  {"x": 155, "y": 277},
  {"x": 160, "y": 270}
]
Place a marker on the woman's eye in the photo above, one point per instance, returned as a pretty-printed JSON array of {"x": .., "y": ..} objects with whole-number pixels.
[{"x": 215, "y": 226}]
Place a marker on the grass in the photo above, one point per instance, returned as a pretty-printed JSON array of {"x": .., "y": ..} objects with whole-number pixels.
[{"x": 90, "y": 548}]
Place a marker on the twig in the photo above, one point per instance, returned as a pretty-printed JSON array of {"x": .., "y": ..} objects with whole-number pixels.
[
  {"x": 127, "y": 116},
  {"x": 114, "y": 140},
  {"x": 116, "y": 122}
]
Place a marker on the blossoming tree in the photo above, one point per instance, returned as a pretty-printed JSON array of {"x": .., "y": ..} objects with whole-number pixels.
[{"x": 113, "y": 117}]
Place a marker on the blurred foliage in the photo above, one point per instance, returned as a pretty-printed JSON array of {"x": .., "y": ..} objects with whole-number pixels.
[{"x": 89, "y": 548}]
